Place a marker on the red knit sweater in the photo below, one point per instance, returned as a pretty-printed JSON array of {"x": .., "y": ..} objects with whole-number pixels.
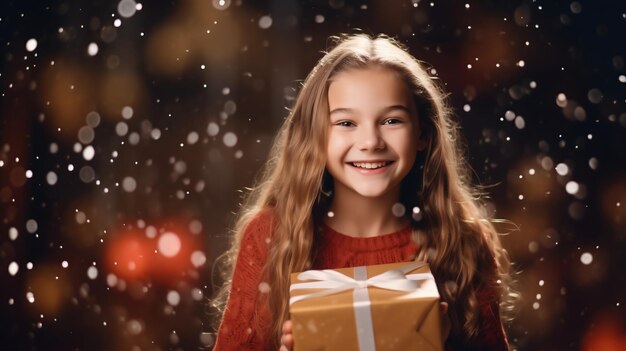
[{"x": 247, "y": 317}]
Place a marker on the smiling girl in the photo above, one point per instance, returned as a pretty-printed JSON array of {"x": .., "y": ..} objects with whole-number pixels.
[{"x": 365, "y": 170}]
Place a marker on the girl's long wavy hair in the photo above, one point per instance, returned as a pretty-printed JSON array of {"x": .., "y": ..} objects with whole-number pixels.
[{"x": 463, "y": 247}]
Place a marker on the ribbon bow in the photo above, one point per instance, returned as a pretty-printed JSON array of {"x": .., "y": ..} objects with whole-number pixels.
[{"x": 334, "y": 282}]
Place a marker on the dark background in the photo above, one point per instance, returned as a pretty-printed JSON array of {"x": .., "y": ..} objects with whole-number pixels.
[{"x": 105, "y": 154}]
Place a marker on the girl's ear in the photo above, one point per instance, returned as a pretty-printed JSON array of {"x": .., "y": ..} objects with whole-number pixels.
[{"x": 421, "y": 143}]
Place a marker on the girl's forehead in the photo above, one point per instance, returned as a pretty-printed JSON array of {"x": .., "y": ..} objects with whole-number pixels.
[
  {"x": 372, "y": 68},
  {"x": 369, "y": 86}
]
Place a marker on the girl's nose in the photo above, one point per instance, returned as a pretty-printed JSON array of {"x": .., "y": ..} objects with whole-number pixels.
[{"x": 370, "y": 138}]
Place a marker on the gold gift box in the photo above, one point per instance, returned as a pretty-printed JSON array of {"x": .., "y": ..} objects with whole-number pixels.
[{"x": 326, "y": 318}]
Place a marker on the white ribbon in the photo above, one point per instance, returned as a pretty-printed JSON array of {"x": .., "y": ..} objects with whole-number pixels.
[{"x": 333, "y": 282}]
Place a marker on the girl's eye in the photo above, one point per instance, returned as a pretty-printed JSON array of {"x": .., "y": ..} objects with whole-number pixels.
[
  {"x": 345, "y": 124},
  {"x": 392, "y": 121}
]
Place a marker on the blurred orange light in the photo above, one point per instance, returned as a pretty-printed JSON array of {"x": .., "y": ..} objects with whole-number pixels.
[
  {"x": 607, "y": 334},
  {"x": 128, "y": 254},
  {"x": 48, "y": 285},
  {"x": 166, "y": 257}
]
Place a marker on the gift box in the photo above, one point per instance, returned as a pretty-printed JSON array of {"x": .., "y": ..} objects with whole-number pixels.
[{"x": 380, "y": 307}]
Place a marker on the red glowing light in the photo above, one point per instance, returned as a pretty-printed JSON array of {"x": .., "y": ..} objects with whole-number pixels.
[
  {"x": 165, "y": 257},
  {"x": 128, "y": 255},
  {"x": 608, "y": 333}
]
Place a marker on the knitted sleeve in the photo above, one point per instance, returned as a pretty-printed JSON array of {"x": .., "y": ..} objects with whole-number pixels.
[
  {"x": 245, "y": 320},
  {"x": 491, "y": 333},
  {"x": 491, "y": 336}
]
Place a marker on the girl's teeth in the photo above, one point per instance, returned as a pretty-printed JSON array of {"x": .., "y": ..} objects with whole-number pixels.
[{"x": 369, "y": 165}]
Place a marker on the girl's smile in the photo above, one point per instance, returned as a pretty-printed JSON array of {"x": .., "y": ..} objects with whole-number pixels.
[{"x": 371, "y": 167}]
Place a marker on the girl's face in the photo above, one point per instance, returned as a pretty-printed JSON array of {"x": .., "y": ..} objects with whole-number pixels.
[{"x": 373, "y": 135}]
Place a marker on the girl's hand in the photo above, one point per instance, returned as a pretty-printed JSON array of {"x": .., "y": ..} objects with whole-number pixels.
[
  {"x": 445, "y": 321},
  {"x": 287, "y": 339}
]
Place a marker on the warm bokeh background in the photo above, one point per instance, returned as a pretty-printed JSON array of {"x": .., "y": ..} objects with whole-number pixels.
[{"x": 128, "y": 131}]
